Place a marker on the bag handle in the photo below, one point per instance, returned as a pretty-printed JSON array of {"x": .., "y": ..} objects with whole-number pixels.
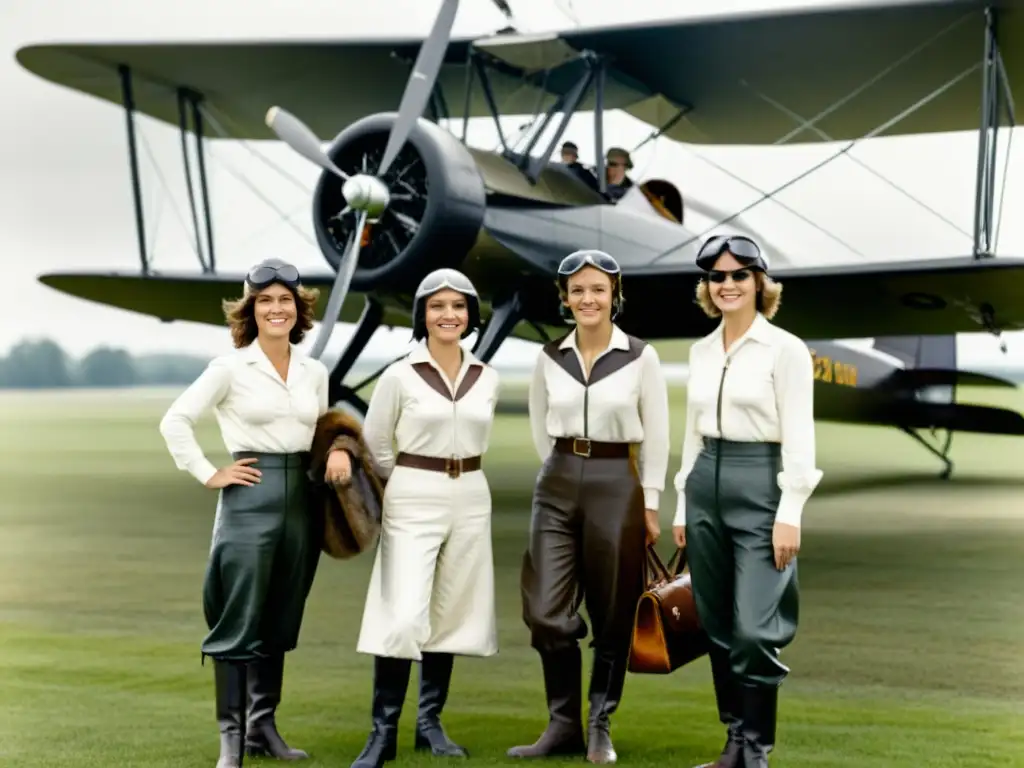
[
  {"x": 679, "y": 558},
  {"x": 658, "y": 572}
]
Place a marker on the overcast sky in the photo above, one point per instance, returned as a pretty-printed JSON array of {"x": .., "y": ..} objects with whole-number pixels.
[{"x": 67, "y": 195}]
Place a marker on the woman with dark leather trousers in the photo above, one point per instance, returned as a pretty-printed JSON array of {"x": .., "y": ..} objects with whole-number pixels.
[
  {"x": 600, "y": 422},
  {"x": 748, "y": 467},
  {"x": 267, "y": 396}
]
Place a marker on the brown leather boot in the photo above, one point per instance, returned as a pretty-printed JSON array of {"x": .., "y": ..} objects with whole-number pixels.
[
  {"x": 563, "y": 685},
  {"x": 729, "y": 709},
  {"x": 606, "y": 681}
]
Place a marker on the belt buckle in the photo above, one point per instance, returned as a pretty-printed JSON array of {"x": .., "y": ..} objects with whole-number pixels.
[
  {"x": 453, "y": 467},
  {"x": 577, "y": 451}
]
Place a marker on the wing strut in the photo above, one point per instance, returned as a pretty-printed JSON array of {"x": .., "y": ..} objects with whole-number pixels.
[
  {"x": 188, "y": 101},
  {"x": 995, "y": 97},
  {"x": 133, "y": 162},
  {"x": 193, "y": 99}
]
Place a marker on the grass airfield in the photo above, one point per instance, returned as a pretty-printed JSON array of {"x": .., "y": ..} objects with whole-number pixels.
[{"x": 909, "y": 652}]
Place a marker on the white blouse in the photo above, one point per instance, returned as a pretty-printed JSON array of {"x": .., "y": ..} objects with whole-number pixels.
[
  {"x": 625, "y": 400},
  {"x": 767, "y": 396},
  {"x": 416, "y": 409},
  {"x": 255, "y": 408}
]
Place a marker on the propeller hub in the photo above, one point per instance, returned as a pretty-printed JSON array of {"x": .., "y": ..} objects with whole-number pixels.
[{"x": 366, "y": 193}]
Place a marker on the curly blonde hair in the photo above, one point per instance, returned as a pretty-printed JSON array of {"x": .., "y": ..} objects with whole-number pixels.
[
  {"x": 769, "y": 297},
  {"x": 241, "y": 316}
]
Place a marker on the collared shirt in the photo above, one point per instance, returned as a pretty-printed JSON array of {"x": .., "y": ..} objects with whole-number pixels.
[
  {"x": 624, "y": 401},
  {"x": 767, "y": 396},
  {"x": 416, "y": 409},
  {"x": 255, "y": 408}
]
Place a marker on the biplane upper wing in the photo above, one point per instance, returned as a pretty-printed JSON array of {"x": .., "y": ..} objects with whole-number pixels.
[{"x": 750, "y": 77}]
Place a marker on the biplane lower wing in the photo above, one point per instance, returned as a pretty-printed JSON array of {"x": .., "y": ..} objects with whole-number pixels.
[
  {"x": 945, "y": 296},
  {"x": 852, "y": 301},
  {"x": 191, "y": 297}
]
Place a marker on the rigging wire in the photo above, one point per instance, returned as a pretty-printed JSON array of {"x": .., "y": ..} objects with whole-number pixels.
[
  {"x": 148, "y": 149},
  {"x": 284, "y": 217}
]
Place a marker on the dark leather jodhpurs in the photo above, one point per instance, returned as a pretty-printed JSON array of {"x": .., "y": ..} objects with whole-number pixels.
[
  {"x": 748, "y": 607},
  {"x": 587, "y": 544},
  {"x": 262, "y": 562}
]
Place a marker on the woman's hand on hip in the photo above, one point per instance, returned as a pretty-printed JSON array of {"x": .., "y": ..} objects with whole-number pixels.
[
  {"x": 786, "y": 540},
  {"x": 679, "y": 534},
  {"x": 653, "y": 526},
  {"x": 239, "y": 473},
  {"x": 339, "y": 467}
]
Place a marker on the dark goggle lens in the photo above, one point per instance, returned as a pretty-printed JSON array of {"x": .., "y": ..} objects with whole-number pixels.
[
  {"x": 738, "y": 275},
  {"x": 265, "y": 275},
  {"x": 740, "y": 247}
]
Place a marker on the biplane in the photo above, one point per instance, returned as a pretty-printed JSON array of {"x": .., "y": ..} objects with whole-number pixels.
[{"x": 400, "y": 195}]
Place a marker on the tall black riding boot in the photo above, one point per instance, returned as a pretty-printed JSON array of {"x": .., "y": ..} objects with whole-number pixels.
[
  {"x": 760, "y": 708},
  {"x": 606, "y": 681},
  {"x": 435, "y": 680},
  {"x": 563, "y": 676},
  {"x": 727, "y": 696},
  {"x": 390, "y": 683},
  {"x": 229, "y": 681},
  {"x": 261, "y": 737}
]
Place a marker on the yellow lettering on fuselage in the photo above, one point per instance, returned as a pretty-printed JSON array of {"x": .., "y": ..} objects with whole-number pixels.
[{"x": 832, "y": 371}]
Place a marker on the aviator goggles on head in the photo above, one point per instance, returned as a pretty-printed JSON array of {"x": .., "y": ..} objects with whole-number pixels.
[
  {"x": 745, "y": 250},
  {"x": 445, "y": 278},
  {"x": 272, "y": 271},
  {"x": 574, "y": 262}
]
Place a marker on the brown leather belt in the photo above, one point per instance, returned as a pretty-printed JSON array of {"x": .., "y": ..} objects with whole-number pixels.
[
  {"x": 592, "y": 449},
  {"x": 452, "y": 467}
]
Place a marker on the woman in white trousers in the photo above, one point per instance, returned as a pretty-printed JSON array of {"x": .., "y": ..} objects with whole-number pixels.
[{"x": 431, "y": 592}]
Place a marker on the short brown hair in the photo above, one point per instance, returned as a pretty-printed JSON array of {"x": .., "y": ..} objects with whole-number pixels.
[
  {"x": 769, "y": 297},
  {"x": 242, "y": 319}
]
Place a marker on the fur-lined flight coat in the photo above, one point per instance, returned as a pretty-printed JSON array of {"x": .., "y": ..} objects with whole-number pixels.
[{"x": 350, "y": 514}]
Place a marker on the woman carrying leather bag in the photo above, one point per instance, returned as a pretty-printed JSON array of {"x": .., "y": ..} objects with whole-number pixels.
[
  {"x": 600, "y": 422},
  {"x": 748, "y": 467}
]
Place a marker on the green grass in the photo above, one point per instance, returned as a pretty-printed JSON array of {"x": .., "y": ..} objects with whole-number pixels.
[{"x": 909, "y": 652}]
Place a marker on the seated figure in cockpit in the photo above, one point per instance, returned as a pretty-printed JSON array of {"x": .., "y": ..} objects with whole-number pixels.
[
  {"x": 571, "y": 159},
  {"x": 617, "y": 162}
]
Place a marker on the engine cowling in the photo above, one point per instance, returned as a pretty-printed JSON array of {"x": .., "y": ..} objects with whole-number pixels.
[{"x": 436, "y": 209}]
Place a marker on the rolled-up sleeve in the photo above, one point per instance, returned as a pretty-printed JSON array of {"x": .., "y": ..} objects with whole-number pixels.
[{"x": 794, "y": 395}]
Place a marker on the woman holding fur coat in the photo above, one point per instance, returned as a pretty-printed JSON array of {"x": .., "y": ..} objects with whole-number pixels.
[
  {"x": 431, "y": 592},
  {"x": 268, "y": 398}
]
